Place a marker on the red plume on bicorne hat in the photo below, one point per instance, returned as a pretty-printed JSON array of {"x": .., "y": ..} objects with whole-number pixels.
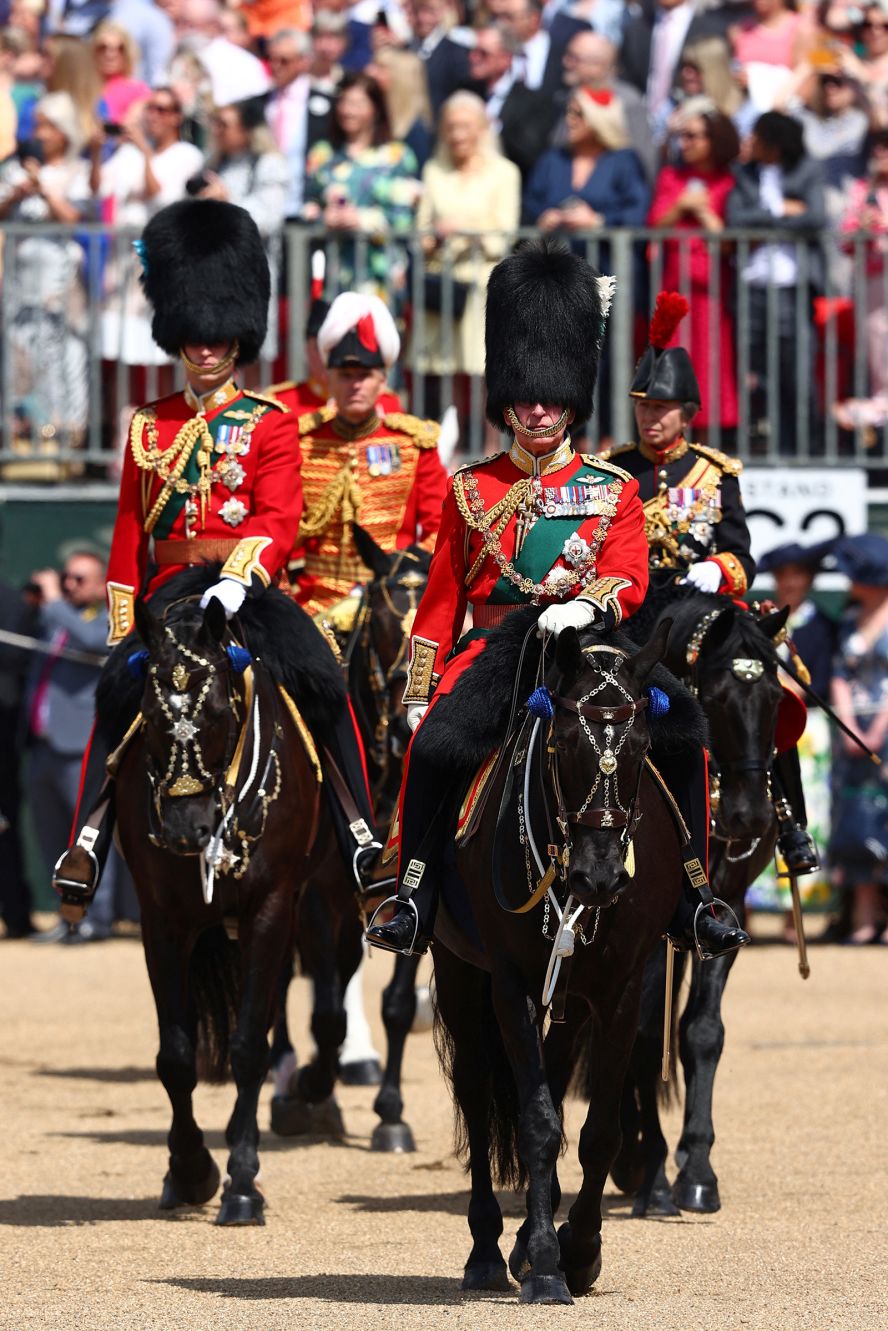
[{"x": 670, "y": 309}]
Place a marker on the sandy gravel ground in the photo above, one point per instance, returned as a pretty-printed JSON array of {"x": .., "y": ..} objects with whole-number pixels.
[{"x": 367, "y": 1241}]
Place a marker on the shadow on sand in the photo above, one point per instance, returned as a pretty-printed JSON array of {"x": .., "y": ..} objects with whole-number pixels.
[{"x": 384, "y": 1289}]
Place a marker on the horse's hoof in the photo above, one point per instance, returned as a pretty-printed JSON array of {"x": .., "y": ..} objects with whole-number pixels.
[
  {"x": 519, "y": 1264},
  {"x": 395, "y": 1137},
  {"x": 241, "y": 1209},
  {"x": 580, "y": 1275},
  {"x": 701, "y": 1197},
  {"x": 291, "y": 1116},
  {"x": 486, "y": 1275},
  {"x": 544, "y": 1289},
  {"x": 656, "y": 1206},
  {"x": 177, "y": 1192},
  {"x": 627, "y": 1177},
  {"x": 363, "y": 1072}
]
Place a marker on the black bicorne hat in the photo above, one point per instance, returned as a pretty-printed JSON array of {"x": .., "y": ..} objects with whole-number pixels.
[
  {"x": 206, "y": 275},
  {"x": 666, "y": 373},
  {"x": 546, "y": 313}
]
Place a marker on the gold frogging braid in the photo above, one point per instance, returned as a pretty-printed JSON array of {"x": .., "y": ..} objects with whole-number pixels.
[{"x": 170, "y": 464}]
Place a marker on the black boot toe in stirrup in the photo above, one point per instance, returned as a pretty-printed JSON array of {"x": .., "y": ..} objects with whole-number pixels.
[
  {"x": 797, "y": 847},
  {"x": 401, "y": 933},
  {"x": 713, "y": 937},
  {"x": 75, "y": 878}
]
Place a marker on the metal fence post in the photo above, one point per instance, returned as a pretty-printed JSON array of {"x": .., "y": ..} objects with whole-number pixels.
[{"x": 621, "y": 321}]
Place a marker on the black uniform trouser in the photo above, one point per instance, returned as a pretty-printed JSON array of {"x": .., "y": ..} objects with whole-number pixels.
[
  {"x": 15, "y": 892},
  {"x": 786, "y": 780}
]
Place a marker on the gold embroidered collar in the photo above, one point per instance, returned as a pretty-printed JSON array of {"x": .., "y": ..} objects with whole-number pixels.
[
  {"x": 533, "y": 464},
  {"x": 217, "y": 397},
  {"x": 351, "y": 433},
  {"x": 664, "y": 455}
]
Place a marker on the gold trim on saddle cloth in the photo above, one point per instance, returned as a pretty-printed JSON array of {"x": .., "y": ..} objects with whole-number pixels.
[{"x": 473, "y": 796}]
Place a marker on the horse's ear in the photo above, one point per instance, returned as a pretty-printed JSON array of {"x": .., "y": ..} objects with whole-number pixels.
[
  {"x": 147, "y": 626},
  {"x": 214, "y": 620},
  {"x": 774, "y": 622},
  {"x": 651, "y": 653},
  {"x": 569, "y": 654},
  {"x": 721, "y": 629},
  {"x": 373, "y": 555}
]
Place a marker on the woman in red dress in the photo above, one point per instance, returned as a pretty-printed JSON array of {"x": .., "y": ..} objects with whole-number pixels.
[{"x": 693, "y": 197}]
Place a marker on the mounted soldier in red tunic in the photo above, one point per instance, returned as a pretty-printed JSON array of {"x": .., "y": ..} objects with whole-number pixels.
[
  {"x": 537, "y": 525},
  {"x": 211, "y": 478}
]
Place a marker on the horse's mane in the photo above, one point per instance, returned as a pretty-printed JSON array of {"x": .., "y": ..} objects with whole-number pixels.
[
  {"x": 274, "y": 628},
  {"x": 467, "y": 724},
  {"x": 686, "y": 607}
]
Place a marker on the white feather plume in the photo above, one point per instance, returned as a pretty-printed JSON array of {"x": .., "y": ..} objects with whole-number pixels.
[
  {"x": 346, "y": 312},
  {"x": 318, "y": 266},
  {"x": 449, "y": 436},
  {"x": 606, "y": 288}
]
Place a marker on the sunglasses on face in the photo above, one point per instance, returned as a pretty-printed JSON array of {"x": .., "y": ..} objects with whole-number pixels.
[
  {"x": 78, "y": 578},
  {"x": 162, "y": 108}
]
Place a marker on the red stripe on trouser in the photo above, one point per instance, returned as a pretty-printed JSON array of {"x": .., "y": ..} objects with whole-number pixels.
[
  {"x": 75, "y": 826},
  {"x": 360, "y": 744},
  {"x": 708, "y": 811}
]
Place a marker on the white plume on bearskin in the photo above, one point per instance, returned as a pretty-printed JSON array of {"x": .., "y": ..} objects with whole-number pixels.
[{"x": 346, "y": 312}]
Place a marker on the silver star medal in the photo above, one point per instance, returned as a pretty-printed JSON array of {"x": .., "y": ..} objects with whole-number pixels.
[
  {"x": 184, "y": 730},
  {"x": 575, "y": 550},
  {"x": 233, "y": 474}
]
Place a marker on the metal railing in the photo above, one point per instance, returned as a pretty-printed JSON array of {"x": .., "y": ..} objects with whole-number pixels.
[{"x": 70, "y": 351}]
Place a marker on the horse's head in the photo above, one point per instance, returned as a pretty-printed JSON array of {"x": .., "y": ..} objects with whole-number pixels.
[
  {"x": 391, "y": 601},
  {"x": 733, "y": 665},
  {"x": 598, "y": 741},
  {"x": 192, "y": 713}
]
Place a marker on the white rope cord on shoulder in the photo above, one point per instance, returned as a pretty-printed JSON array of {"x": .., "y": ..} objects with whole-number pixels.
[{"x": 211, "y": 857}]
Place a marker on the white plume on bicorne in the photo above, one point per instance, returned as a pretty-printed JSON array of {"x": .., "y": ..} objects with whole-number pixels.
[
  {"x": 346, "y": 312},
  {"x": 606, "y": 288},
  {"x": 318, "y": 266},
  {"x": 449, "y": 436}
]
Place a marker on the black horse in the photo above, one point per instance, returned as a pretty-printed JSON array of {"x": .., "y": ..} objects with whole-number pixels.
[
  {"x": 591, "y": 807},
  {"x": 221, "y": 821},
  {"x": 727, "y": 655},
  {"x": 375, "y": 654}
]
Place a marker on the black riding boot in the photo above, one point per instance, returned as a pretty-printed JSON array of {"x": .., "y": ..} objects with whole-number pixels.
[
  {"x": 78, "y": 870},
  {"x": 426, "y": 804},
  {"x": 794, "y": 841},
  {"x": 691, "y": 927},
  {"x": 354, "y": 827}
]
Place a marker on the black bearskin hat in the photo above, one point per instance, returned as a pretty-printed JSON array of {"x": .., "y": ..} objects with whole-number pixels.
[
  {"x": 206, "y": 274},
  {"x": 665, "y": 373},
  {"x": 546, "y": 312}
]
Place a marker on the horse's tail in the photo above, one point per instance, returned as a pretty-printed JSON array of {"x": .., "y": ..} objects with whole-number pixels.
[
  {"x": 214, "y": 974},
  {"x": 495, "y": 1082}
]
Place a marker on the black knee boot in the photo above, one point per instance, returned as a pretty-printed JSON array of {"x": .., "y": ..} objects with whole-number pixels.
[
  {"x": 78, "y": 870},
  {"x": 794, "y": 841},
  {"x": 425, "y": 819},
  {"x": 691, "y": 926}
]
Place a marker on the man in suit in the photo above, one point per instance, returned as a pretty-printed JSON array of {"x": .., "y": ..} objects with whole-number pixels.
[
  {"x": 16, "y": 616},
  {"x": 60, "y": 717},
  {"x": 446, "y": 61},
  {"x": 540, "y": 50},
  {"x": 297, "y": 119},
  {"x": 654, "y": 40},
  {"x": 590, "y": 61},
  {"x": 522, "y": 118}
]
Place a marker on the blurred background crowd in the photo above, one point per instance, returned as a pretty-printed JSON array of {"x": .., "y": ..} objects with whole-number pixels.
[{"x": 413, "y": 138}]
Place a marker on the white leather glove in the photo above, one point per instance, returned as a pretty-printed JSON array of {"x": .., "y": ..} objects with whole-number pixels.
[
  {"x": 575, "y": 615},
  {"x": 415, "y": 712},
  {"x": 232, "y": 595},
  {"x": 705, "y": 576}
]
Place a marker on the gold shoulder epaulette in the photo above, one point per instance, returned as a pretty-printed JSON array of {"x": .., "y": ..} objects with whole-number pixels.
[
  {"x": 731, "y": 466},
  {"x": 273, "y": 389},
  {"x": 480, "y": 462},
  {"x": 597, "y": 460},
  {"x": 616, "y": 450},
  {"x": 312, "y": 419},
  {"x": 423, "y": 433},
  {"x": 263, "y": 397}
]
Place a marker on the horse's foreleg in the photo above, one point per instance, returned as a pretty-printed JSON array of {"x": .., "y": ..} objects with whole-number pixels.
[
  {"x": 463, "y": 998},
  {"x": 192, "y": 1177},
  {"x": 535, "y": 1258},
  {"x": 358, "y": 1059},
  {"x": 283, "y": 1055},
  {"x": 702, "y": 1040},
  {"x": 580, "y": 1237},
  {"x": 262, "y": 952},
  {"x": 398, "y": 1011}
]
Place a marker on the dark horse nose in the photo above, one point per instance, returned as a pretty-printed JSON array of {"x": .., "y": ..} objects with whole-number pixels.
[{"x": 599, "y": 885}]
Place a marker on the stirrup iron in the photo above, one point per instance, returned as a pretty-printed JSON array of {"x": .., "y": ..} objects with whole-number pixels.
[
  {"x": 702, "y": 952},
  {"x": 377, "y": 942}
]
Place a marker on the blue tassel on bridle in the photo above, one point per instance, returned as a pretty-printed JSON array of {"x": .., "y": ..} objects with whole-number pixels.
[
  {"x": 539, "y": 704},
  {"x": 658, "y": 701},
  {"x": 137, "y": 663},
  {"x": 238, "y": 657}
]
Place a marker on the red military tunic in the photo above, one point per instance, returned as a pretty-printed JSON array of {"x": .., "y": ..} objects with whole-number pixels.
[
  {"x": 204, "y": 479},
  {"x": 518, "y": 530},
  {"x": 309, "y": 395},
  {"x": 385, "y": 475}
]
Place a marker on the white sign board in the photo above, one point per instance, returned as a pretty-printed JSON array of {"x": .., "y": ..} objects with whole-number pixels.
[{"x": 804, "y": 504}]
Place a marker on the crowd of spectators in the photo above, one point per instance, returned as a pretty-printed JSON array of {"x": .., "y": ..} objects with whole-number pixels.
[{"x": 466, "y": 119}]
